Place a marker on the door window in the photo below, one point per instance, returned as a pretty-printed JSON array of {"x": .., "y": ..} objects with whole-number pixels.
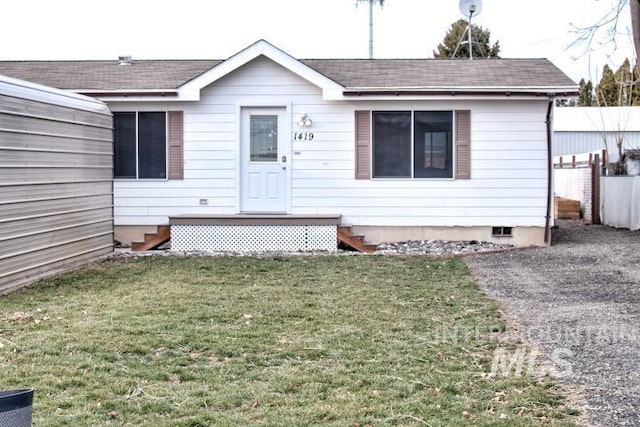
[{"x": 263, "y": 139}]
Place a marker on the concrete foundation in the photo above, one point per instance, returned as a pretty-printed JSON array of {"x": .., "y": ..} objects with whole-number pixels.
[{"x": 521, "y": 236}]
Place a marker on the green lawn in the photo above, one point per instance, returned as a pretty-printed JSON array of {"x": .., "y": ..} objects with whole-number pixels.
[{"x": 291, "y": 341}]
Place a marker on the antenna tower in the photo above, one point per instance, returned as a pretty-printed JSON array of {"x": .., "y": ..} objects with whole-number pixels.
[{"x": 371, "y": 3}]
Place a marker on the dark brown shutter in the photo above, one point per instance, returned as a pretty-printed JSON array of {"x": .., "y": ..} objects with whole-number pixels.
[
  {"x": 176, "y": 145},
  {"x": 363, "y": 144},
  {"x": 463, "y": 144}
]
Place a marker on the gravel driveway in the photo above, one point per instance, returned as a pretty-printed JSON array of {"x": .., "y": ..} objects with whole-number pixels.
[{"x": 579, "y": 300}]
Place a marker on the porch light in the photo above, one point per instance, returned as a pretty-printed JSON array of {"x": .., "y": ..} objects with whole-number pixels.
[{"x": 304, "y": 121}]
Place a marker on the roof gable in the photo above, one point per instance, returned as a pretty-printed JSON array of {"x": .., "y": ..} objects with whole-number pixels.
[{"x": 191, "y": 90}]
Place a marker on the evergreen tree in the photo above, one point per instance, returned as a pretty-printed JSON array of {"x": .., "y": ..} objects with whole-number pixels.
[
  {"x": 585, "y": 94},
  {"x": 607, "y": 89},
  {"x": 456, "y": 37},
  {"x": 624, "y": 80},
  {"x": 635, "y": 90}
]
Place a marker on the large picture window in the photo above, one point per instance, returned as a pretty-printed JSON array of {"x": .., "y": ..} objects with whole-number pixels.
[
  {"x": 412, "y": 144},
  {"x": 140, "y": 145}
]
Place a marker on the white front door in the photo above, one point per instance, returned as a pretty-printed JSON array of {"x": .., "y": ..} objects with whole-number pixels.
[{"x": 264, "y": 154}]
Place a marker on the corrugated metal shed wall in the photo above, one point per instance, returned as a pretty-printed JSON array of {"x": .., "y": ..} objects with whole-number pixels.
[
  {"x": 56, "y": 181},
  {"x": 580, "y": 130},
  {"x": 574, "y": 142}
]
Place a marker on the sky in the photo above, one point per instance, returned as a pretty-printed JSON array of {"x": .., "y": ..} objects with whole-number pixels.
[{"x": 216, "y": 29}]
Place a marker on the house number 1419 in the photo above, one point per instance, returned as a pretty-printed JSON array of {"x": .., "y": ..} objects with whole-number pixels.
[{"x": 303, "y": 136}]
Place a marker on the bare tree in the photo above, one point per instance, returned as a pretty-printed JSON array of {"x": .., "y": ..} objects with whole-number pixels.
[
  {"x": 635, "y": 25},
  {"x": 604, "y": 31}
]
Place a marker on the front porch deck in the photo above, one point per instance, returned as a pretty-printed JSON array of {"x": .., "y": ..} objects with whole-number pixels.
[
  {"x": 254, "y": 233},
  {"x": 250, "y": 219}
]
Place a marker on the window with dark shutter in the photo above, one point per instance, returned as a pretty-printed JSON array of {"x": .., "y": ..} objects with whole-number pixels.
[
  {"x": 463, "y": 144},
  {"x": 176, "y": 145},
  {"x": 363, "y": 144},
  {"x": 384, "y": 140},
  {"x": 142, "y": 141}
]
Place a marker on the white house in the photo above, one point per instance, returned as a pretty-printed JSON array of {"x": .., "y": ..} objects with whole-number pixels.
[{"x": 398, "y": 149}]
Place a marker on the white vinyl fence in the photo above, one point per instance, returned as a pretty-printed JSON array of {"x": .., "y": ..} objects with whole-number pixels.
[
  {"x": 575, "y": 184},
  {"x": 620, "y": 201}
]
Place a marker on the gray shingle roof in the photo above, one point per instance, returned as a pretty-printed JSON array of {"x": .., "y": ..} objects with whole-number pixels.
[
  {"x": 399, "y": 73},
  {"x": 350, "y": 73},
  {"x": 108, "y": 75}
]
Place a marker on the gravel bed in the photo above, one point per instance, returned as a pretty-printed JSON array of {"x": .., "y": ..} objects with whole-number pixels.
[
  {"x": 440, "y": 247},
  {"x": 414, "y": 247},
  {"x": 579, "y": 302}
]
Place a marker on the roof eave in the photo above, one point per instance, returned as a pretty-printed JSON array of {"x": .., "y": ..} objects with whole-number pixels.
[
  {"x": 554, "y": 92},
  {"x": 127, "y": 93}
]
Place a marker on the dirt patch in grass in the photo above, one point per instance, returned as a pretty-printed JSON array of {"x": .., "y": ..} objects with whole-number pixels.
[{"x": 266, "y": 341}]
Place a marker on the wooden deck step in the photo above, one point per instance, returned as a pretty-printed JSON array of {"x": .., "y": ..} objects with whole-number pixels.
[
  {"x": 354, "y": 241},
  {"x": 153, "y": 240}
]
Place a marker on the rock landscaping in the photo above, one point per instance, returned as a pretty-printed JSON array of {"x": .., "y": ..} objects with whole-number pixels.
[
  {"x": 413, "y": 247},
  {"x": 440, "y": 247}
]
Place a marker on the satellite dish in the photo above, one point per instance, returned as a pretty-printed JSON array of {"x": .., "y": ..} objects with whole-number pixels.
[{"x": 470, "y": 7}]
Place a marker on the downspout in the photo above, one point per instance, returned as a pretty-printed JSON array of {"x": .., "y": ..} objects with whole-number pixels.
[{"x": 547, "y": 225}]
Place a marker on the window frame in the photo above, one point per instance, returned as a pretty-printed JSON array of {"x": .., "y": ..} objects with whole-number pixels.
[
  {"x": 502, "y": 231},
  {"x": 166, "y": 145},
  {"x": 413, "y": 176}
]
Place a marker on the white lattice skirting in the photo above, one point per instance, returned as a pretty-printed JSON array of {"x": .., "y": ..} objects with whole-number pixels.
[{"x": 254, "y": 238}]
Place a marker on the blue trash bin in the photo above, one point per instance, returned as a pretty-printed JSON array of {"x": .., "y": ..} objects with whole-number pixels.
[{"x": 16, "y": 407}]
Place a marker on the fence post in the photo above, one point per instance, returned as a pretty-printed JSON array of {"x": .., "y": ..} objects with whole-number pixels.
[{"x": 595, "y": 190}]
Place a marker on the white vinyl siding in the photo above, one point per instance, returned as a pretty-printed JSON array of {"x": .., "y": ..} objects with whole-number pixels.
[{"x": 508, "y": 160}]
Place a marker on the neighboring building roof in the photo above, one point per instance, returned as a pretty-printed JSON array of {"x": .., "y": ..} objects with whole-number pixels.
[
  {"x": 338, "y": 77},
  {"x": 49, "y": 95},
  {"x": 597, "y": 119},
  {"x": 579, "y": 130}
]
